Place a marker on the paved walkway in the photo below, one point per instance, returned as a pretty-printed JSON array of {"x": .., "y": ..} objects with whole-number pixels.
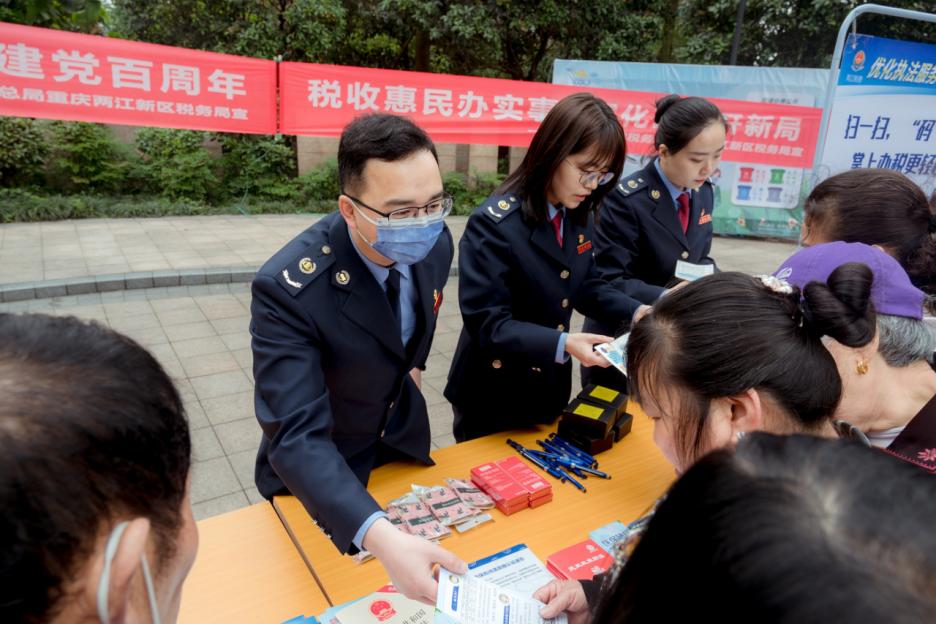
[{"x": 199, "y": 332}]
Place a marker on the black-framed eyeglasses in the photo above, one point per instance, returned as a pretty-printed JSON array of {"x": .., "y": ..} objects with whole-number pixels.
[
  {"x": 588, "y": 177},
  {"x": 441, "y": 205}
]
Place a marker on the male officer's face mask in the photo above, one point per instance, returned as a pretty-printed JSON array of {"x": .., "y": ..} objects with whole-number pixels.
[
  {"x": 109, "y": 552},
  {"x": 405, "y": 241}
]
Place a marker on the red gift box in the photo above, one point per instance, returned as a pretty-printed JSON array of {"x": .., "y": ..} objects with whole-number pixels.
[
  {"x": 511, "y": 484},
  {"x": 580, "y": 561}
]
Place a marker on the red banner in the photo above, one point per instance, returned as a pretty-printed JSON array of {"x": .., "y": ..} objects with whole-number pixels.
[
  {"x": 61, "y": 75},
  {"x": 320, "y": 100}
]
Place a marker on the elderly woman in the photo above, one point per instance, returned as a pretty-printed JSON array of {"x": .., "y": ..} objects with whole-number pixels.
[{"x": 889, "y": 385}]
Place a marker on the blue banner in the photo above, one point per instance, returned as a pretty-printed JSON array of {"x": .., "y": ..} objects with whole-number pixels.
[{"x": 876, "y": 61}]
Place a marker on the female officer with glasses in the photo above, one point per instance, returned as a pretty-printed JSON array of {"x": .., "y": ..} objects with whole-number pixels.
[
  {"x": 525, "y": 262},
  {"x": 657, "y": 223}
]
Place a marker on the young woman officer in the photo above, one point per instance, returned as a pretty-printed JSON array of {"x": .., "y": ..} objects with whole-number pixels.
[
  {"x": 525, "y": 262},
  {"x": 659, "y": 219}
]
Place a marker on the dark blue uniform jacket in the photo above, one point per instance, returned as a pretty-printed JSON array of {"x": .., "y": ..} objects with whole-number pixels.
[{"x": 331, "y": 371}]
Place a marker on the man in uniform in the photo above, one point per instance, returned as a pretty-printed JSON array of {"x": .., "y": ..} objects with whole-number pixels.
[{"x": 342, "y": 323}]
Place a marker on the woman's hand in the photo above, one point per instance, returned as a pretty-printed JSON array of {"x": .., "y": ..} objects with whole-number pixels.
[{"x": 562, "y": 596}]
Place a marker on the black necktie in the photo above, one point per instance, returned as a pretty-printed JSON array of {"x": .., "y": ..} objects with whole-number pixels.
[{"x": 393, "y": 292}]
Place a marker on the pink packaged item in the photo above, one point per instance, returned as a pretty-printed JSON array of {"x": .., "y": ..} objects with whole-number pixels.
[
  {"x": 444, "y": 504},
  {"x": 469, "y": 494},
  {"x": 418, "y": 519}
]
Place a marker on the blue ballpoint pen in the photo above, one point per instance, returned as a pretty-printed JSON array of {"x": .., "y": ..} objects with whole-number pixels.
[
  {"x": 563, "y": 460},
  {"x": 573, "y": 450},
  {"x": 572, "y": 465},
  {"x": 562, "y": 452},
  {"x": 571, "y": 480},
  {"x": 552, "y": 463},
  {"x": 537, "y": 462}
]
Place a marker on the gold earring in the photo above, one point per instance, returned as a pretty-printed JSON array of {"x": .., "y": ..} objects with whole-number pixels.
[{"x": 862, "y": 368}]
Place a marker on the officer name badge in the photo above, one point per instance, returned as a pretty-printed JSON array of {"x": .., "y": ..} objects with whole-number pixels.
[
  {"x": 705, "y": 218},
  {"x": 436, "y": 302}
]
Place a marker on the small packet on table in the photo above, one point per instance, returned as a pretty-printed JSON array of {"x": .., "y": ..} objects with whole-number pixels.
[
  {"x": 396, "y": 520},
  {"x": 473, "y": 521},
  {"x": 417, "y": 517},
  {"x": 470, "y": 494},
  {"x": 444, "y": 504}
]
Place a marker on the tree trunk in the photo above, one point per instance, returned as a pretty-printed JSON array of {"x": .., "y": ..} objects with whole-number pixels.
[
  {"x": 423, "y": 50},
  {"x": 665, "y": 55}
]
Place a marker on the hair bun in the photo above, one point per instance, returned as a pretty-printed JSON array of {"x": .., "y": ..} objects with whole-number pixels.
[
  {"x": 664, "y": 104},
  {"x": 842, "y": 308}
]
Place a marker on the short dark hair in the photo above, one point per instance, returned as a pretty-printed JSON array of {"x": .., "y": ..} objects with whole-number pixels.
[
  {"x": 381, "y": 136},
  {"x": 92, "y": 431},
  {"x": 576, "y": 123},
  {"x": 879, "y": 207},
  {"x": 681, "y": 119},
  {"x": 786, "y": 529},
  {"x": 727, "y": 333}
]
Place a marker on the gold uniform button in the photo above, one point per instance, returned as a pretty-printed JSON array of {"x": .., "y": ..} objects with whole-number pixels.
[
  {"x": 565, "y": 303},
  {"x": 685, "y": 255},
  {"x": 326, "y": 249},
  {"x": 565, "y": 274},
  {"x": 496, "y": 364},
  {"x": 561, "y": 327}
]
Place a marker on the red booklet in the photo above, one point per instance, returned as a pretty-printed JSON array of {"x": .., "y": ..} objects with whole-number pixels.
[
  {"x": 580, "y": 561},
  {"x": 520, "y": 472}
]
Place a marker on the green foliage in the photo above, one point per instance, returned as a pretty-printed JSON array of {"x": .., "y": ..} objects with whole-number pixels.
[
  {"x": 783, "y": 33},
  {"x": 23, "y": 150},
  {"x": 74, "y": 15},
  {"x": 469, "y": 191},
  {"x": 299, "y": 30},
  {"x": 85, "y": 157},
  {"x": 259, "y": 166},
  {"x": 177, "y": 164},
  {"x": 19, "y": 205},
  {"x": 320, "y": 185}
]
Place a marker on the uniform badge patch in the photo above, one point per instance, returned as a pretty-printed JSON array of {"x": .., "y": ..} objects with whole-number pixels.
[{"x": 290, "y": 281}]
